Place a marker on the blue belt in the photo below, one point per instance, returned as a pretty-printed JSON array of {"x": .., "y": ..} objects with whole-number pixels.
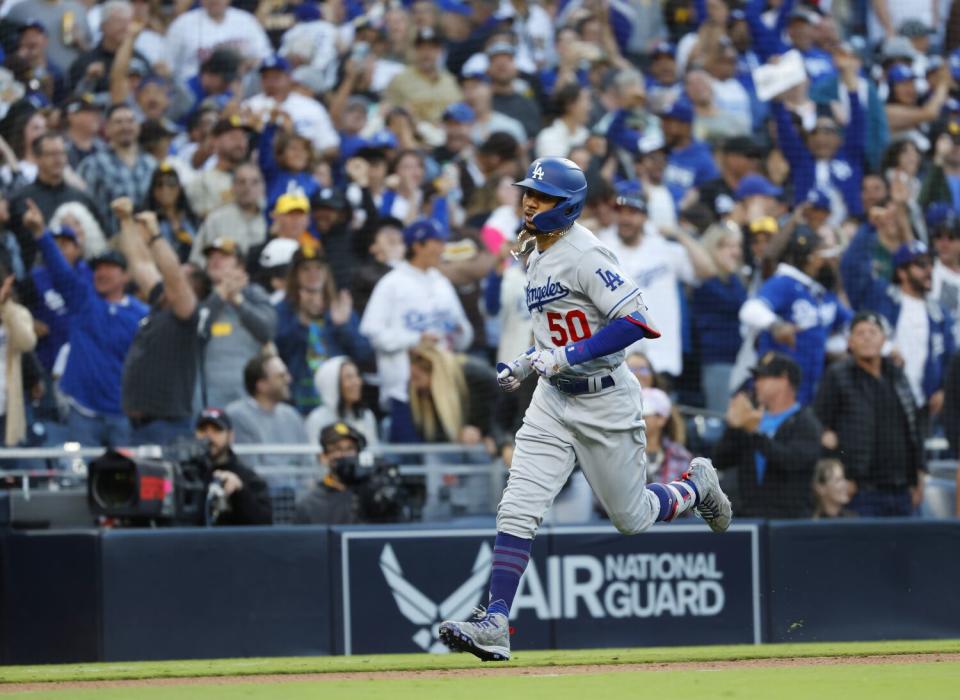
[{"x": 582, "y": 385}]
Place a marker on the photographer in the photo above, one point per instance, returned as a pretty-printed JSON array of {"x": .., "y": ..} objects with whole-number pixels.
[
  {"x": 247, "y": 499},
  {"x": 332, "y": 502}
]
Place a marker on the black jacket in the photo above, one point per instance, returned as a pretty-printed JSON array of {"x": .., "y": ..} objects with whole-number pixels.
[
  {"x": 327, "y": 505},
  {"x": 790, "y": 454},
  {"x": 845, "y": 405},
  {"x": 250, "y": 505}
]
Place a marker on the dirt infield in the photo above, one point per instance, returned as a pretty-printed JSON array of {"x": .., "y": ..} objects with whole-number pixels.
[{"x": 493, "y": 671}]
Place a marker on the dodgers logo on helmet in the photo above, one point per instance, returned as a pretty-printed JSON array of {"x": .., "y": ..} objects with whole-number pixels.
[{"x": 560, "y": 178}]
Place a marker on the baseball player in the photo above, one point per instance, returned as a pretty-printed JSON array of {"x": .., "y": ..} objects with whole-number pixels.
[{"x": 586, "y": 408}]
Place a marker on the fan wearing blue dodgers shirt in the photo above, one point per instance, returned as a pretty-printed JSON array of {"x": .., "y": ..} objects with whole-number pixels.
[{"x": 586, "y": 408}]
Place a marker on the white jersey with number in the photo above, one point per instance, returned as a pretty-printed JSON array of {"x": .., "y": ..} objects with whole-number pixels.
[{"x": 575, "y": 288}]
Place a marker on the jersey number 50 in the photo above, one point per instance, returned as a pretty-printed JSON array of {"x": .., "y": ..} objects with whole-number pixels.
[{"x": 567, "y": 328}]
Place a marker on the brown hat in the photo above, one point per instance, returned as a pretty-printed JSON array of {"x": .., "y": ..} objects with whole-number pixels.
[
  {"x": 224, "y": 245},
  {"x": 229, "y": 124}
]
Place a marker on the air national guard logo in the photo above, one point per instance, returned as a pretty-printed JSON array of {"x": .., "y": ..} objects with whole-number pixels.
[{"x": 422, "y": 611}]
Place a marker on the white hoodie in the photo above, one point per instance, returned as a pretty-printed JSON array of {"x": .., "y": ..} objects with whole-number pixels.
[{"x": 327, "y": 381}]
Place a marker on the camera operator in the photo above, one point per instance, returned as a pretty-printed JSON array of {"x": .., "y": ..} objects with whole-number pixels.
[
  {"x": 245, "y": 493},
  {"x": 332, "y": 502}
]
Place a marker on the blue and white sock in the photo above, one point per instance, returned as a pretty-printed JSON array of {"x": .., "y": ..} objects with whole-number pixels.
[
  {"x": 675, "y": 498},
  {"x": 510, "y": 557}
]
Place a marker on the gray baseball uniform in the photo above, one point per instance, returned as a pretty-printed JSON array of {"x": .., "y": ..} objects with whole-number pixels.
[{"x": 575, "y": 288}]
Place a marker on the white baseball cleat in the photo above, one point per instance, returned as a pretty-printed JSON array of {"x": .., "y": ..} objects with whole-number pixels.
[
  {"x": 485, "y": 635},
  {"x": 714, "y": 506}
]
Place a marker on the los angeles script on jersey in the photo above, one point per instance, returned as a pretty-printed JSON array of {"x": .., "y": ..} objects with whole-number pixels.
[{"x": 540, "y": 296}]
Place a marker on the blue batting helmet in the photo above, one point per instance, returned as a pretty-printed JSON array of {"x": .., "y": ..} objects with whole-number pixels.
[{"x": 557, "y": 177}]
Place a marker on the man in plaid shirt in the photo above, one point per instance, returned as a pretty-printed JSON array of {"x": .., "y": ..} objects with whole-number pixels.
[{"x": 122, "y": 170}]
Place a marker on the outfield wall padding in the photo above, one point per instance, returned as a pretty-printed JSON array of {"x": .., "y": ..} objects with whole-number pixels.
[
  {"x": 122, "y": 595},
  {"x": 863, "y": 580}
]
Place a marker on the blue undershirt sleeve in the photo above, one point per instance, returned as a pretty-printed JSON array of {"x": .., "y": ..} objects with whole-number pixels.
[{"x": 616, "y": 336}]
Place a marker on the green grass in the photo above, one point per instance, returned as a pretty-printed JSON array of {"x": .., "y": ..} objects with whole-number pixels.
[
  {"x": 401, "y": 662},
  {"x": 929, "y": 681}
]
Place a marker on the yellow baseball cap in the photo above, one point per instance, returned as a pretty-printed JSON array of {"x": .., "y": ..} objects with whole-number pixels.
[
  {"x": 765, "y": 224},
  {"x": 287, "y": 203}
]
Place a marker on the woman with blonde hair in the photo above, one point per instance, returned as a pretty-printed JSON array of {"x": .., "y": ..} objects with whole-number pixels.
[
  {"x": 716, "y": 304},
  {"x": 451, "y": 399}
]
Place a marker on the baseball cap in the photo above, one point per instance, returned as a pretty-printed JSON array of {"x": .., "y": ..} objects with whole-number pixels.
[
  {"x": 383, "y": 139},
  {"x": 274, "y": 62},
  {"x": 216, "y": 417},
  {"x": 229, "y": 124},
  {"x": 138, "y": 67},
  {"x": 459, "y": 112},
  {"x": 899, "y": 73},
  {"x": 307, "y": 12},
  {"x": 871, "y": 317},
  {"x": 805, "y": 15},
  {"x": 329, "y": 198},
  {"x": 737, "y": 16},
  {"x": 32, "y": 23},
  {"x": 339, "y": 431},
  {"x": 756, "y": 185},
  {"x": 154, "y": 130},
  {"x": 941, "y": 218},
  {"x": 631, "y": 200},
  {"x": 499, "y": 47},
  {"x": 455, "y": 7},
  {"x": 423, "y": 230},
  {"x": 914, "y": 29},
  {"x": 662, "y": 48},
  {"x": 802, "y": 243},
  {"x": 474, "y": 73},
  {"x": 651, "y": 143},
  {"x": 65, "y": 231},
  {"x": 109, "y": 257},
  {"x": 765, "y": 224},
  {"x": 910, "y": 252},
  {"x": 278, "y": 253},
  {"x": 222, "y": 244},
  {"x": 81, "y": 103},
  {"x": 427, "y": 36},
  {"x": 895, "y": 47},
  {"x": 224, "y": 61},
  {"x": 287, "y": 203},
  {"x": 776, "y": 364},
  {"x": 744, "y": 146},
  {"x": 825, "y": 121},
  {"x": 681, "y": 110},
  {"x": 655, "y": 402},
  {"x": 818, "y": 199}
]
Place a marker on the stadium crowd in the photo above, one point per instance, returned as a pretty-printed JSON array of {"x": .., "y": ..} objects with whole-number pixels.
[{"x": 301, "y": 213}]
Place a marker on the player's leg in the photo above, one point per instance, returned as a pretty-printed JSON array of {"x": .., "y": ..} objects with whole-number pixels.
[
  {"x": 611, "y": 452},
  {"x": 542, "y": 462}
]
